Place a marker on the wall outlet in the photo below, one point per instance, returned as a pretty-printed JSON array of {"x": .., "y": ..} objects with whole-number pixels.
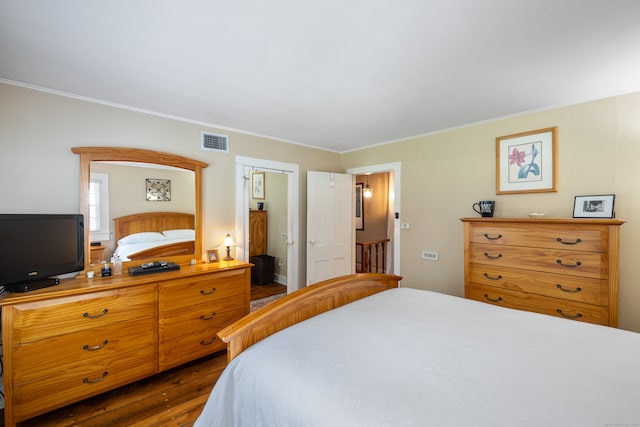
[{"x": 432, "y": 256}]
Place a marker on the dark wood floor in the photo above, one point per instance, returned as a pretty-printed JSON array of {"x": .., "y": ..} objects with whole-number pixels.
[
  {"x": 172, "y": 398},
  {"x": 263, "y": 291}
]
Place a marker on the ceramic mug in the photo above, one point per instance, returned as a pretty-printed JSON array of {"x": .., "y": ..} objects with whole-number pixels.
[{"x": 485, "y": 207}]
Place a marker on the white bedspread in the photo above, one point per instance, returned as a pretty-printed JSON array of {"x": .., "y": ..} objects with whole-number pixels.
[{"x": 406, "y": 357}]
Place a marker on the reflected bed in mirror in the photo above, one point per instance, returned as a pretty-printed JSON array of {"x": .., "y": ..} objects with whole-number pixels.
[{"x": 154, "y": 235}]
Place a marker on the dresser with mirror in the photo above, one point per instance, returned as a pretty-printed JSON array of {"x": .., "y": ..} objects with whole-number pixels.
[{"x": 89, "y": 335}]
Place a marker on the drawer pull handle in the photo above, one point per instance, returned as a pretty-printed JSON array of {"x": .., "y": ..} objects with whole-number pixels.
[
  {"x": 203, "y": 317},
  {"x": 493, "y": 256},
  {"x": 577, "y": 264},
  {"x": 203, "y": 342},
  {"x": 492, "y": 238},
  {"x": 492, "y": 278},
  {"x": 493, "y": 299},
  {"x": 88, "y": 381},
  {"x": 207, "y": 293},
  {"x": 95, "y": 316},
  {"x": 96, "y": 347},
  {"x": 568, "y": 316},
  {"x": 575, "y": 242},
  {"x": 575, "y": 291}
]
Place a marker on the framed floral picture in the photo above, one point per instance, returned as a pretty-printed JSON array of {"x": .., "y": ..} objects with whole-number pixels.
[{"x": 527, "y": 162}]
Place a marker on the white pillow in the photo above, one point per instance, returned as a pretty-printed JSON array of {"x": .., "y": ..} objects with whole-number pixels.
[
  {"x": 144, "y": 237},
  {"x": 178, "y": 233}
]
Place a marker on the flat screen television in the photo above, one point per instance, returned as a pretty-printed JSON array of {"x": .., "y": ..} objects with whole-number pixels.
[{"x": 36, "y": 247}]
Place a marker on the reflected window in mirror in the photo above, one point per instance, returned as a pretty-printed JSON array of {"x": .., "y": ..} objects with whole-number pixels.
[{"x": 99, "y": 207}]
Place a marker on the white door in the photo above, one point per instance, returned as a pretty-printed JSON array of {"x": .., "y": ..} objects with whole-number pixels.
[{"x": 330, "y": 230}]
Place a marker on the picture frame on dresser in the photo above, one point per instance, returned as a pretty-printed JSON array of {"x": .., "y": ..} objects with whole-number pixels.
[
  {"x": 527, "y": 162},
  {"x": 212, "y": 256},
  {"x": 598, "y": 206}
]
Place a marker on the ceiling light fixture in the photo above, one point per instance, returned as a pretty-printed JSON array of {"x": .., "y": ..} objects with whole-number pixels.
[{"x": 367, "y": 192}]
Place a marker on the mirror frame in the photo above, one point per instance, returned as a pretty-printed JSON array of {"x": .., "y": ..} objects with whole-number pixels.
[{"x": 122, "y": 154}]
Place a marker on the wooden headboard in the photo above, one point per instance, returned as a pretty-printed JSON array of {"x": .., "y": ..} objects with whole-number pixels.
[{"x": 152, "y": 221}]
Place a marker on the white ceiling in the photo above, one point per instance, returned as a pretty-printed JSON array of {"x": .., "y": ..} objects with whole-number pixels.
[{"x": 334, "y": 74}]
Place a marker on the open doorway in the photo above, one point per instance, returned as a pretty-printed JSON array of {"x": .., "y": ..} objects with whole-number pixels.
[
  {"x": 374, "y": 224},
  {"x": 281, "y": 206},
  {"x": 389, "y": 174}
]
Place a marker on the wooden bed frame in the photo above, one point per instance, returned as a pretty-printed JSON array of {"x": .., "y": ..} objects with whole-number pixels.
[
  {"x": 156, "y": 221},
  {"x": 301, "y": 305}
]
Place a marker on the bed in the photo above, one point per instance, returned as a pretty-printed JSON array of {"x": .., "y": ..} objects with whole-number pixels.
[
  {"x": 408, "y": 357},
  {"x": 153, "y": 235}
]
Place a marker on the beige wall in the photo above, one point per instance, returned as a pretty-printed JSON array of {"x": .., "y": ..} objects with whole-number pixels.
[
  {"x": 128, "y": 194},
  {"x": 443, "y": 174}
]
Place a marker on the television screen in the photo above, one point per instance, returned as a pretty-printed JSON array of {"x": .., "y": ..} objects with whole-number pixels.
[{"x": 34, "y": 247}]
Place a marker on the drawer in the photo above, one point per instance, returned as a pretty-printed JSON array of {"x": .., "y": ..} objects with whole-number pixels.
[
  {"x": 201, "y": 317},
  {"x": 191, "y": 332},
  {"x": 48, "y": 318},
  {"x": 590, "y": 238},
  {"x": 43, "y": 358},
  {"x": 188, "y": 348},
  {"x": 539, "y": 304},
  {"x": 574, "y": 288},
  {"x": 586, "y": 264},
  {"x": 196, "y": 290},
  {"x": 79, "y": 382}
]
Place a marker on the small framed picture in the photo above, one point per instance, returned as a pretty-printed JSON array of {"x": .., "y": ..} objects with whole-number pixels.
[
  {"x": 594, "y": 206},
  {"x": 257, "y": 185},
  {"x": 359, "y": 207},
  {"x": 212, "y": 255},
  {"x": 158, "y": 190}
]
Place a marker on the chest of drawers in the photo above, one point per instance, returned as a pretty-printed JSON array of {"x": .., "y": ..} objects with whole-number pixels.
[
  {"x": 86, "y": 336},
  {"x": 560, "y": 267}
]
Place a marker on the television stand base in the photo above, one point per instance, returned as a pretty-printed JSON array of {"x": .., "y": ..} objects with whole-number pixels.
[{"x": 31, "y": 286}]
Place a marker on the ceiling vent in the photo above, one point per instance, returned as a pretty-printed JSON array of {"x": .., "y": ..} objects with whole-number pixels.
[{"x": 214, "y": 142}]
